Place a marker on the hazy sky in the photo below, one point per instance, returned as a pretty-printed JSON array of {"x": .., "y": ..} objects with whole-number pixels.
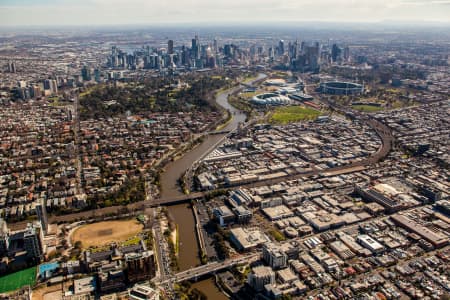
[{"x": 100, "y": 12}]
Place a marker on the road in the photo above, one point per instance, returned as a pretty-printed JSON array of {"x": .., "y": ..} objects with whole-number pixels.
[
  {"x": 210, "y": 268},
  {"x": 162, "y": 252},
  {"x": 381, "y": 129}
]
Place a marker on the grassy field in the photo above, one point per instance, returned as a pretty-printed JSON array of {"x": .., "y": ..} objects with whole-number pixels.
[
  {"x": 17, "y": 280},
  {"x": 104, "y": 233},
  {"x": 248, "y": 95},
  {"x": 277, "y": 235},
  {"x": 248, "y": 79},
  {"x": 289, "y": 114},
  {"x": 367, "y": 108}
]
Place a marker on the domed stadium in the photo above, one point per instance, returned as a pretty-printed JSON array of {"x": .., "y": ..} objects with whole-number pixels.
[
  {"x": 341, "y": 88},
  {"x": 271, "y": 99}
]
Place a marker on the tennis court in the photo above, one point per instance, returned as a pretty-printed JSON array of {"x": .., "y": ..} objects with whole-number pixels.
[{"x": 17, "y": 280}]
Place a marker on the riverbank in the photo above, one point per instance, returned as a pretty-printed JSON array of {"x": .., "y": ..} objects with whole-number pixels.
[
  {"x": 182, "y": 214},
  {"x": 174, "y": 170}
]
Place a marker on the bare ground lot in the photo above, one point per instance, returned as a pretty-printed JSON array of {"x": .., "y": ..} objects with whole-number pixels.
[
  {"x": 103, "y": 233},
  {"x": 47, "y": 293}
]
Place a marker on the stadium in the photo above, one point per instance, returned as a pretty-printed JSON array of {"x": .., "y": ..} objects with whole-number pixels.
[
  {"x": 341, "y": 88},
  {"x": 271, "y": 99}
]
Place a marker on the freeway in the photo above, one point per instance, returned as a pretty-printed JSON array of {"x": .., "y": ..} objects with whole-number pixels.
[
  {"x": 381, "y": 129},
  {"x": 383, "y": 132}
]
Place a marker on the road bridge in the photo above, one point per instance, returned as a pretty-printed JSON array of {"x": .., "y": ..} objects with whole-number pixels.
[
  {"x": 210, "y": 268},
  {"x": 381, "y": 129}
]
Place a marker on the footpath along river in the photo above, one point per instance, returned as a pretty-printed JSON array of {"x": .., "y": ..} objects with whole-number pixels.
[{"x": 182, "y": 214}]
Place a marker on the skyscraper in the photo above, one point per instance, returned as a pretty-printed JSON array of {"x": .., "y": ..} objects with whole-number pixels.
[
  {"x": 36, "y": 91},
  {"x": 50, "y": 84},
  {"x": 12, "y": 67},
  {"x": 215, "y": 46},
  {"x": 86, "y": 73},
  {"x": 280, "y": 47},
  {"x": 97, "y": 75},
  {"x": 195, "y": 48},
  {"x": 335, "y": 52},
  {"x": 347, "y": 54},
  {"x": 170, "y": 47}
]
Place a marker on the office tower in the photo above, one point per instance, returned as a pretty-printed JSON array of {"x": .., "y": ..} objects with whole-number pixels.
[
  {"x": 212, "y": 62},
  {"x": 53, "y": 86},
  {"x": 204, "y": 49},
  {"x": 347, "y": 54},
  {"x": 302, "y": 47},
  {"x": 271, "y": 53},
  {"x": 184, "y": 56},
  {"x": 33, "y": 242},
  {"x": 130, "y": 61},
  {"x": 86, "y": 73},
  {"x": 253, "y": 50},
  {"x": 195, "y": 48},
  {"x": 280, "y": 47},
  {"x": 36, "y": 91},
  {"x": 113, "y": 60},
  {"x": 50, "y": 84},
  {"x": 228, "y": 50},
  {"x": 170, "y": 47},
  {"x": 46, "y": 84},
  {"x": 335, "y": 52},
  {"x": 12, "y": 67},
  {"x": 293, "y": 48},
  {"x": 97, "y": 75},
  {"x": 260, "y": 50},
  {"x": 215, "y": 47},
  {"x": 113, "y": 50}
]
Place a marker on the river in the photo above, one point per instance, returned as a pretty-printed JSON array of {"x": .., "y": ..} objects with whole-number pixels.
[
  {"x": 174, "y": 170},
  {"x": 182, "y": 214}
]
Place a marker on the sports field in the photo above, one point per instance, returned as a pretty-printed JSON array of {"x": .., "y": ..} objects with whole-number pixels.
[
  {"x": 103, "y": 233},
  {"x": 17, "y": 280},
  {"x": 289, "y": 114}
]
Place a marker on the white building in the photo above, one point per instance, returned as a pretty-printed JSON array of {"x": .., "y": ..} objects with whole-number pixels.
[{"x": 369, "y": 243}]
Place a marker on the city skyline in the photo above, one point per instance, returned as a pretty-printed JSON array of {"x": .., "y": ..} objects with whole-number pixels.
[
  {"x": 140, "y": 12},
  {"x": 276, "y": 149}
]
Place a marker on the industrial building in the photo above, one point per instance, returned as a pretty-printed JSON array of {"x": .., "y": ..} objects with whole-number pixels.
[
  {"x": 369, "y": 243},
  {"x": 437, "y": 239},
  {"x": 245, "y": 238}
]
